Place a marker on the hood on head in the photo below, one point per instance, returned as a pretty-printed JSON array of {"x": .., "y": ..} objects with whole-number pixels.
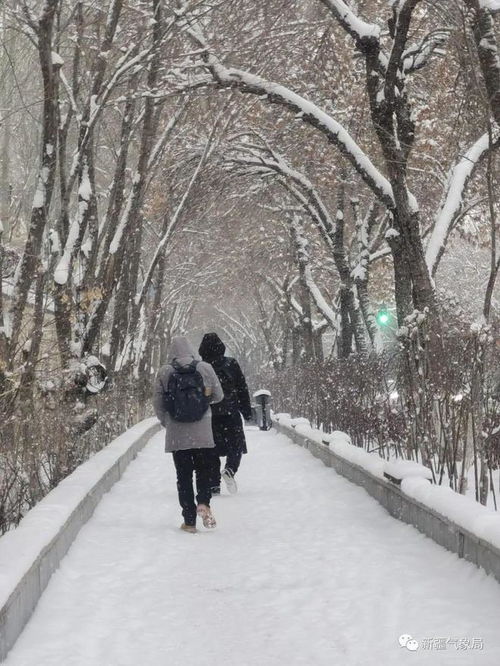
[
  {"x": 180, "y": 348},
  {"x": 211, "y": 347}
]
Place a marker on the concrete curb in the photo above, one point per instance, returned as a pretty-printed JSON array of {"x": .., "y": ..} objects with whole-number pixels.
[
  {"x": 437, "y": 527},
  {"x": 27, "y": 587}
]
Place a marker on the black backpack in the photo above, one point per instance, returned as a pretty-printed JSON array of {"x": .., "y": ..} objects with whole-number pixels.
[
  {"x": 229, "y": 404},
  {"x": 185, "y": 398}
]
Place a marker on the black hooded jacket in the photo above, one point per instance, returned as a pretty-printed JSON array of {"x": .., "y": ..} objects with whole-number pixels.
[{"x": 236, "y": 396}]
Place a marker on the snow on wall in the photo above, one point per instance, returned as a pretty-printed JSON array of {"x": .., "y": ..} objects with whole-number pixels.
[
  {"x": 477, "y": 519},
  {"x": 481, "y": 521},
  {"x": 338, "y": 442}
]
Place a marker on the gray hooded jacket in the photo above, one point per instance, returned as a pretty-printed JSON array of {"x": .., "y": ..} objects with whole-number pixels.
[{"x": 182, "y": 436}]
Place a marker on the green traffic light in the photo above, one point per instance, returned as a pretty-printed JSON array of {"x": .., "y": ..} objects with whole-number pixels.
[{"x": 383, "y": 317}]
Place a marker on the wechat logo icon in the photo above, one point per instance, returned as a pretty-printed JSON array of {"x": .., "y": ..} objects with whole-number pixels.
[{"x": 405, "y": 640}]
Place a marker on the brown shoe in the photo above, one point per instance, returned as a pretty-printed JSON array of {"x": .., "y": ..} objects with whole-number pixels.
[
  {"x": 206, "y": 515},
  {"x": 189, "y": 528}
]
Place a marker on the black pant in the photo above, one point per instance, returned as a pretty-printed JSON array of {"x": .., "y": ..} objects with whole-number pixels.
[
  {"x": 199, "y": 461},
  {"x": 232, "y": 463}
]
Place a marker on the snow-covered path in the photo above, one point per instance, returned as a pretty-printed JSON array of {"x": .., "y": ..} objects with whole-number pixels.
[{"x": 303, "y": 569}]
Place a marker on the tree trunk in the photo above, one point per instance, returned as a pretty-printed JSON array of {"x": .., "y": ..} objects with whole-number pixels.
[
  {"x": 346, "y": 333},
  {"x": 46, "y": 175},
  {"x": 5, "y": 187},
  {"x": 3, "y": 337},
  {"x": 402, "y": 279}
]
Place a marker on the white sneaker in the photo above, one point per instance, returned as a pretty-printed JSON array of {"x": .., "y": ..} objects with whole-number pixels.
[
  {"x": 206, "y": 515},
  {"x": 228, "y": 477}
]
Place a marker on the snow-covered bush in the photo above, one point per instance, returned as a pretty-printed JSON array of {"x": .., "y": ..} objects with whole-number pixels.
[
  {"x": 444, "y": 421},
  {"x": 351, "y": 395},
  {"x": 42, "y": 444}
]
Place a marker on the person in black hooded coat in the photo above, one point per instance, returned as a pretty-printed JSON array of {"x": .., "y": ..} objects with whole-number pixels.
[{"x": 227, "y": 426}]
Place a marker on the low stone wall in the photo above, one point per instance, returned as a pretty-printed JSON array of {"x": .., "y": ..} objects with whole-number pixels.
[
  {"x": 31, "y": 553},
  {"x": 439, "y": 528}
]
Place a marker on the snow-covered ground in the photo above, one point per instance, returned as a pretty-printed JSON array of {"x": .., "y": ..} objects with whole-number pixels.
[{"x": 304, "y": 568}]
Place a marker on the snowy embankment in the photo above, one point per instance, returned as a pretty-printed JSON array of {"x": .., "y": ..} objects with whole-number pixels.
[
  {"x": 30, "y": 553},
  {"x": 303, "y": 569},
  {"x": 480, "y": 521}
]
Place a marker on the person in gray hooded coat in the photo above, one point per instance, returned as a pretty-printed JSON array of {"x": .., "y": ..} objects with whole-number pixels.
[{"x": 192, "y": 443}]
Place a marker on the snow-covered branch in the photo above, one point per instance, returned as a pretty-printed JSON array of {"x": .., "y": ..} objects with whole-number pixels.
[
  {"x": 361, "y": 31},
  {"x": 417, "y": 56},
  {"x": 306, "y": 111},
  {"x": 173, "y": 221},
  {"x": 320, "y": 301},
  {"x": 453, "y": 200}
]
